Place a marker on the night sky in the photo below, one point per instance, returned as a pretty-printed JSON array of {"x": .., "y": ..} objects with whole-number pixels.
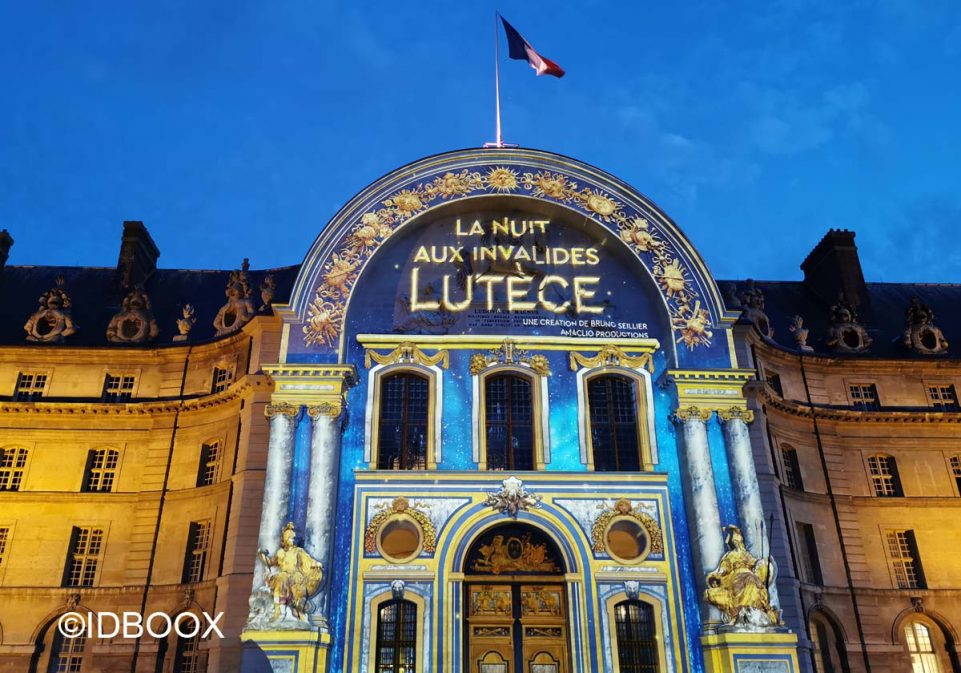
[{"x": 237, "y": 129}]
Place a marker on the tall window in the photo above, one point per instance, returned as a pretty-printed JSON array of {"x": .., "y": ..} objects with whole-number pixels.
[
  {"x": 101, "y": 470},
  {"x": 808, "y": 551},
  {"x": 13, "y": 462},
  {"x": 792, "y": 468},
  {"x": 396, "y": 637},
  {"x": 188, "y": 657},
  {"x": 83, "y": 557},
  {"x": 884, "y": 476},
  {"x": 864, "y": 397},
  {"x": 198, "y": 547},
  {"x": 117, "y": 388},
  {"x": 210, "y": 455},
  {"x": 402, "y": 422},
  {"x": 223, "y": 377},
  {"x": 612, "y": 402},
  {"x": 4, "y": 536},
  {"x": 905, "y": 559},
  {"x": 30, "y": 387},
  {"x": 944, "y": 398},
  {"x": 920, "y": 644},
  {"x": 509, "y": 422},
  {"x": 636, "y": 637},
  {"x": 956, "y": 471},
  {"x": 66, "y": 654}
]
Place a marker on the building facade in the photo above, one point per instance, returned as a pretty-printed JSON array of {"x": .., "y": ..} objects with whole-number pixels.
[{"x": 500, "y": 418}]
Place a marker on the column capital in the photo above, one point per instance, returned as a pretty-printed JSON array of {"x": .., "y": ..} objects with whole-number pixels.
[
  {"x": 310, "y": 384},
  {"x": 325, "y": 410},
  {"x": 693, "y": 413},
  {"x": 710, "y": 388},
  {"x": 733, "y": 413},
  {"x": 285, "y": 408}
]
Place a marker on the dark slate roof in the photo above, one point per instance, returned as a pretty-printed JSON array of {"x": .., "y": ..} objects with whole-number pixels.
[
  {"x": 884, "y": 319},
  {"x": 95, "y": 298}
]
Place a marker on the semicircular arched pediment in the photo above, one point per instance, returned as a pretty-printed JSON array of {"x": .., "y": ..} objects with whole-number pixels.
[{"x": 340, "y": 255}]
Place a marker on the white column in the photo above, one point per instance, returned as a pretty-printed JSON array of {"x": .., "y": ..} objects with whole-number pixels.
[
  {"x": 700, "y": 501},
  {"x": 322, "y": 496},
  {"x": 280, "y": 461},
  {"x": 747, "y": 492}
]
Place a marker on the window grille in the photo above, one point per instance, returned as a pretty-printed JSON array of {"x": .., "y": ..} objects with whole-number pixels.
[
  {"x": 956, "y": 471},
  {"x": 884, "y": 476},
  {"x": 612, "y": 403},
  {"x": 636, "y": 633},
  {"x": 402, "y": 423},
  {"x": 396, "y": 646},
  {"x": 118, "y": 388},
  {"x": 66, "y": 654},
  {"x": 905, "y": 559},
  {"x": 792, "y": 469},
  {"x": 223, "y": 377},
  {"x": 198, "y": 547},
  {"x": 944, "y": 398},
  {"x": 210, "y": 456},
  {"x": 101, "y": 470},
  {"x": 509, "y": 422},
  {"x": 808, "y": 548},
  {"x": 189, "y": 657},
  {"x": 13, "y": 463},
  {"x": 30, "y": 387},
  {"x": 864, "y": 397},
  {"x": 4, "y": 536},
  {"x": 924, "y": 659},
  {"x": 83, "y": 557}
]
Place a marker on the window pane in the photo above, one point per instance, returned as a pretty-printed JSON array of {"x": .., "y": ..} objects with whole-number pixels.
[
  {"x": 508, "y": 419},
  {"x": 636, "y": 637},
  {"x": 612, "y": 403},
  {"x": 402, "y": 433},
  {"x": 396, "y": 646}
]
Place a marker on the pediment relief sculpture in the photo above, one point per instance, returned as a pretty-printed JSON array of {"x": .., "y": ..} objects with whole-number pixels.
[
  {"x": 51, "y": 323},
  {"x": 135, "y": 322}
]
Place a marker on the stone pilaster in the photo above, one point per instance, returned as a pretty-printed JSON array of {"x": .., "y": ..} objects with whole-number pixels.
[
  {"x": 322, "y": 495},
  {"x": 700, "y": 496}
]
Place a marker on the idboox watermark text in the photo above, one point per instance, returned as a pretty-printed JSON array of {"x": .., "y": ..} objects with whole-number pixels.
[{"x": 134, "y": 625}]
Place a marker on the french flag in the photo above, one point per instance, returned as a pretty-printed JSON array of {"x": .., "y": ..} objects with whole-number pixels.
[{"x": 521, "y": 49}]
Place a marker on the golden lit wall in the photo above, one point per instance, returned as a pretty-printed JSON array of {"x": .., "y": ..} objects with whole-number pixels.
[{"x": 159, "y": 438}]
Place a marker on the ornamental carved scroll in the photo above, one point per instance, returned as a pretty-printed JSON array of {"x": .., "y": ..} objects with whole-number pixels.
[
  {"x": 509, "y": 353},
  {"x": 612, "y": 356},
  {"x": 407, "y": 352},
  {"x": 340, "y": 272}
]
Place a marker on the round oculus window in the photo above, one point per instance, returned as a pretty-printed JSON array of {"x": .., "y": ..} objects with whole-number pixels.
[
  {"x": 627, "y": 540},
  {"x": 400, "y": 539}
]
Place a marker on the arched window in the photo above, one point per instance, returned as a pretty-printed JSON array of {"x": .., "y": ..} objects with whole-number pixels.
[
  {"x": 188, "y": 657},
  {"x": 101, "y": 470},
  {"x": 509, "y": 422},
  {"x": 66, "y": 654},
  {"x": 636, "y": 633},
  {"x": 828, "y": 649},
  {"x": 396, "y": 648},
  {"x": 920, "y": 643},
  {"x": 884, "y": 476},
  {"x": 615, "y": 440},
  {"x": 402, "y": 432}
]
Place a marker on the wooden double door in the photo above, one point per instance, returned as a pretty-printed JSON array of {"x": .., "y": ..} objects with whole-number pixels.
[{"x": 516, "y": 627}]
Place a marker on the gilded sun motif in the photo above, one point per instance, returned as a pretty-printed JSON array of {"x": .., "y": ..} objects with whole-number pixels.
[
  {"x": 323, "y": 322},
  {"x": 672, "y": 278},
  {"x": 502, "y": 179},
  {"x": 601, "y": 204}
]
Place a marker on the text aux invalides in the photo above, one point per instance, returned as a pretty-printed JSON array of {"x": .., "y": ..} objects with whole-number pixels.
[{"x": 516, "y": 287}]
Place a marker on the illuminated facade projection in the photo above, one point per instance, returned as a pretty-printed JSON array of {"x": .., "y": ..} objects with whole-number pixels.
[{"x": 501, "y": 419}]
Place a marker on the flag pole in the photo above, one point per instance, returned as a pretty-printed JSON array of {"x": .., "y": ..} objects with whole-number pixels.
[
  {"x": 497, "y": 87},
  {"x": 497, "y": 82}
]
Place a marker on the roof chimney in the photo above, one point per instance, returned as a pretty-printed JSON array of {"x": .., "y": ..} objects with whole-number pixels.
[
  {"x": 833, "y": 267},
  {"x": 138, "y": 255},
  {"x": 6, "y": 242}
]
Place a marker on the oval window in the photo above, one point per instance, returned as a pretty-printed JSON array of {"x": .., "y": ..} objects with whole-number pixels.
[
  {"x": 400, "y": 540},
  {"x": 626, "y": 540}
]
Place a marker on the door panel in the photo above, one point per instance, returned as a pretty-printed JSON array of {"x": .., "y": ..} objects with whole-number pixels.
[{"x": 517, "y": 628}]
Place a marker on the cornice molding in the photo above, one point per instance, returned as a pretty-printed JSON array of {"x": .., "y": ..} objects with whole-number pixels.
[
  {"x": 239, "y": 389},
  {"x": 792, "y": 408}
]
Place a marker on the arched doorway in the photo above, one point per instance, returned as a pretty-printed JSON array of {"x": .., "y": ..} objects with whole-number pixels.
[{"x": 516, "y": 603}]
